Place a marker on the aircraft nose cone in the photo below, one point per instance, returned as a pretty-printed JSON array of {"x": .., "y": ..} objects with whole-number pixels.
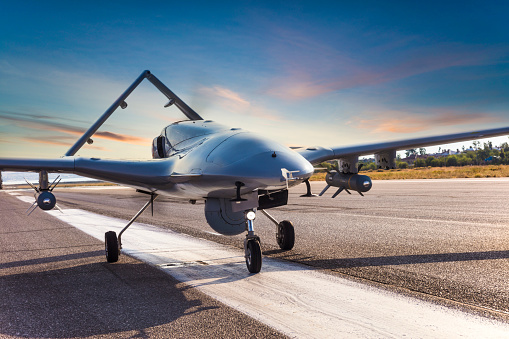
[
  {"x": 258, "y": 161},
  {"x": 270, "y": 164}
]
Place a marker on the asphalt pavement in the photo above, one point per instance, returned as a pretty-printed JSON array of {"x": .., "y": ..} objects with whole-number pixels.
[
  {"x": 441, "y": 240},
  {"x": 55, "y": 283}
]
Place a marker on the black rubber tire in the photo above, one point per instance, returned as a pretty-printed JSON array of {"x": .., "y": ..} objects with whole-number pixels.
[
  {"x": 111, "y": 246},
  {"x": 253, "y": 256},
  {"x": 285, "y": 235}
]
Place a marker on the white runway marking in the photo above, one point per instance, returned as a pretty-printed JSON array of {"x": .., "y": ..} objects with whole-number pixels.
[{"x": 291, "y": 298}]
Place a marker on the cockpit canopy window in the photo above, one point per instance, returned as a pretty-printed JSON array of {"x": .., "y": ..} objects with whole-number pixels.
[{"x": 181, "y": 131}]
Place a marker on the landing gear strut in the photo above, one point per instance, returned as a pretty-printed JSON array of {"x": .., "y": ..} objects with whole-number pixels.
[
  {"x": 112, "y": 244},
  {"x": 308, "y": 190},
  {"x": 252, "y": 249}
]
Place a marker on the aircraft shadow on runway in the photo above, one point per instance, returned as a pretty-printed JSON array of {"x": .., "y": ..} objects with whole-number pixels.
[
  {"x": 85, "y": 300},
  {"x": 53, "y": 259},
  {"x": 405, "y": 259}
]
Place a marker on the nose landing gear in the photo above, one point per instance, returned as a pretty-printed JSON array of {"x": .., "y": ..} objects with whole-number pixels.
[
  {"x": 285, "y": 237},
  {"x": 252, "y": 248}
]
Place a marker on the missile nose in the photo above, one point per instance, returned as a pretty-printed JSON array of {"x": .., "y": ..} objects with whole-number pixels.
[{"x": 46, "y": 200}]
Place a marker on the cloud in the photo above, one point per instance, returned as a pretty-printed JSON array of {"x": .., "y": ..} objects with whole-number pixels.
[
  {"x": 310, "y": 68},
  {"x": 39, "y": 123},
  {"x": 404, "y": 122},
  {"x": 55, "y": 141},
  {"x": 50, "y": 140},
  {"x": 226, "y": 94},
  {"x": 234, "y": 102}
]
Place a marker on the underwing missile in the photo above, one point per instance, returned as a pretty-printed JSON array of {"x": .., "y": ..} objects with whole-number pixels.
[{"x": 347, "y": 181}]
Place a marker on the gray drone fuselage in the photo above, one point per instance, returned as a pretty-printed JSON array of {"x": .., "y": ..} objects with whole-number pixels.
[{"x": 207, "y": 158}]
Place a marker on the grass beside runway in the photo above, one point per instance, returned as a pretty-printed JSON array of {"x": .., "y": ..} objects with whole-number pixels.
[{"x": 487, "y": 171}]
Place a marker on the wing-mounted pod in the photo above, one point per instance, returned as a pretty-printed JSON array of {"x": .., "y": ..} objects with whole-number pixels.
[
  {"x": 345, "y": 176},
  {"x": 44, "y": 198},
  {"x": 386, "y": 159},
  {"x": 347, "y": 181}
]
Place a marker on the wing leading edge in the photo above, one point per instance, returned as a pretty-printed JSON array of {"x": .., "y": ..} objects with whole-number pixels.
[
  {"x": 316, "y": 155},
  {"x": 146, "y": 174}
]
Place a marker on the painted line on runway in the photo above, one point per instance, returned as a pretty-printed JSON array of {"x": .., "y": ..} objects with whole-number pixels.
[
  {"x": 436, "y": 221},
  {"x": 292, "y": 298}
]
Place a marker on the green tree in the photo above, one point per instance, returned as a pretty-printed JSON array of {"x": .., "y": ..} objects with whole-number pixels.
[
  {"x": 370, "y": 166},
  {"x": 420, "y": 163},
  {"x": 505, "y": 147},
  {"x": 464, "y": 160},
  {"x": 422, "y": 151},
  {"x": 429, "y": 160},
  {"x": 483, "y": 154},
  {"x": 435, "y": 163},
  {"x": 451, "y": 160}
]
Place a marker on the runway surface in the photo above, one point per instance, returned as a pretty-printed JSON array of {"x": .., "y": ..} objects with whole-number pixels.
[
  {"x": 444, "y": 238},
  {"x": 54, "y": 283}
]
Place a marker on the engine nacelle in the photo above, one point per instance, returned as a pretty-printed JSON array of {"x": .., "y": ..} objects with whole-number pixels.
[
  {"x": 221, "y": 217},
  {"x": 46, "y": 200},
  {"x": 355, "y": 182}
]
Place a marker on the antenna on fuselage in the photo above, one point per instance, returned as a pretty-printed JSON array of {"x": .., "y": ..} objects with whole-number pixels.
[{"x": 120, "y": 102}]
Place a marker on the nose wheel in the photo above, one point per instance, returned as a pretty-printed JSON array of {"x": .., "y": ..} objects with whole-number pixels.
[
  {"x": 252, "y": 248},
  {"x": 253, "y": 255}
]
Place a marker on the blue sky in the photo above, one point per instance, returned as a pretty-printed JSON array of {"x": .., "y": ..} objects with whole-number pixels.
[{"x": 303, "y": 73}]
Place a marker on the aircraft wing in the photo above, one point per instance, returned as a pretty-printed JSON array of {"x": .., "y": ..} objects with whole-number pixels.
[
  {"x": 147, "y": 174},
  {"x": 316, "y": 155}
]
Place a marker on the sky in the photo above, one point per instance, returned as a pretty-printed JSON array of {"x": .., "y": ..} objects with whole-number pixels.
[{"x": 304, "y": 73}]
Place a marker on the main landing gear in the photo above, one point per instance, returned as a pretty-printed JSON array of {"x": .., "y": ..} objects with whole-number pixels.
[
  {"x": 285, "y": 237},
  {"x": 112, "y": 244}
]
